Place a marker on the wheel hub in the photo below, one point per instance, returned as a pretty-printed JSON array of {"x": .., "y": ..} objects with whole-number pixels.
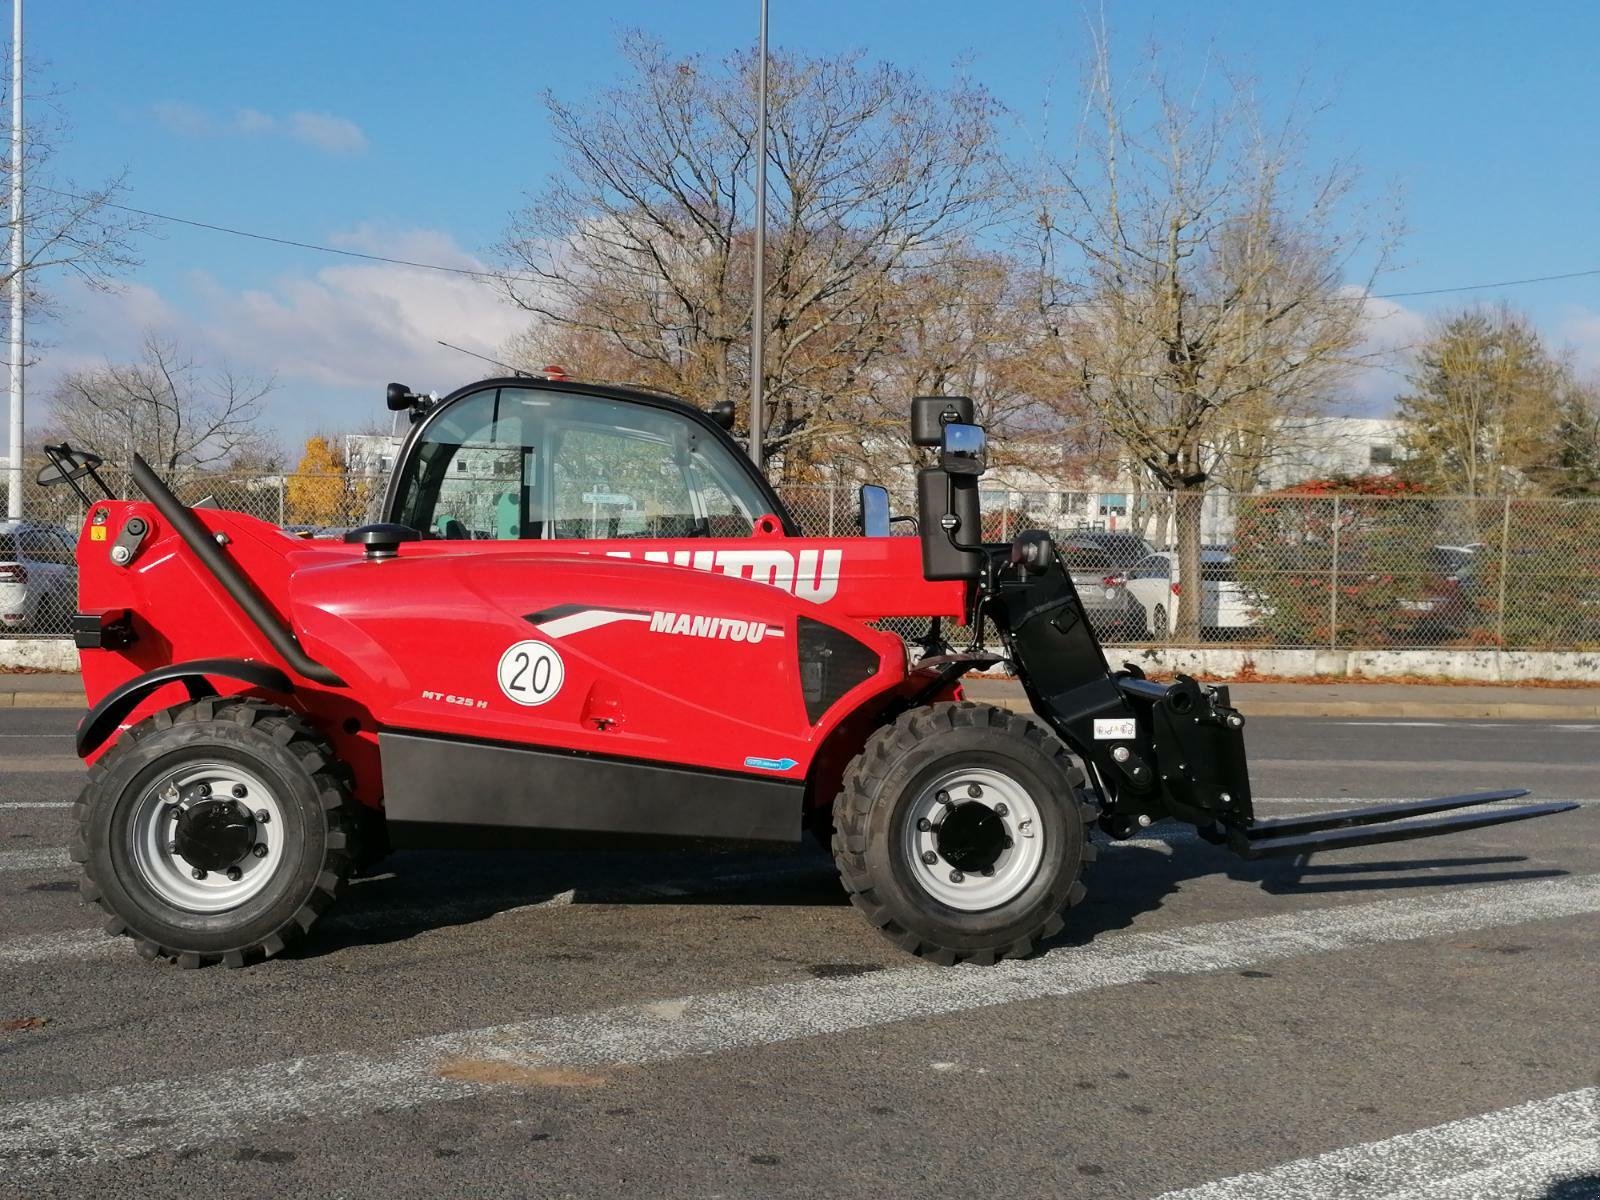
[
  {"x": 207, "y": 836},
  {"x": 212, "y": 835},
  {"x": 971, "y": 837}
]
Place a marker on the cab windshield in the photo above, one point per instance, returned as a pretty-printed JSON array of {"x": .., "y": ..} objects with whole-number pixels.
[{"x": 508, "y": 463}]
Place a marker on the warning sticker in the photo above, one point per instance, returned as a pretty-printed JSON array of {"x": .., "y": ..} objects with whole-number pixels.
[{"x": 1115, "y": 729}]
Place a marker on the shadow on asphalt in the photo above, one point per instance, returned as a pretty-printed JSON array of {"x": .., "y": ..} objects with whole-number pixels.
[
  {"x": 1583, "y": 1187},
  {"x": 417, "y": 891}
]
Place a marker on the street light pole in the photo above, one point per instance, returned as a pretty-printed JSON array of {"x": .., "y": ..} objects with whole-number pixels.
[
  {"x": 14, "y": 497},
  {"x": 759, "y": 272}
]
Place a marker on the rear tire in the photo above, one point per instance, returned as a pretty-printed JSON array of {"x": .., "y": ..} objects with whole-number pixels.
[
  {"x": 173, "y": 842},
  {"x": 992, "y": 797}
]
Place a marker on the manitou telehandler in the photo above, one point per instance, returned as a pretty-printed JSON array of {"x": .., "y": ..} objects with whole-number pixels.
[{"x": 586, "y": 617}]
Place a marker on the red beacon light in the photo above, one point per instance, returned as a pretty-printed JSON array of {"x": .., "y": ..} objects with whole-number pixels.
[{"x": 551, "y": 371}]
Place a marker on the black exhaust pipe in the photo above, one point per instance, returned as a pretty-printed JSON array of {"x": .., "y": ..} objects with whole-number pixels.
[{"x": 224, "y": 571}]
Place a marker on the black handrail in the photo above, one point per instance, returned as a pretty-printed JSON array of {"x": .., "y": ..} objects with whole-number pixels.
[{"x": 234, "y": 581}]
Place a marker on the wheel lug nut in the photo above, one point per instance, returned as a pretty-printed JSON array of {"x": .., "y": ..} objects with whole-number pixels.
[
  {"x": 238, "y": 791},
  {"x": 234, "y": 873},
  {"x": 262, "y": 816},
  {"x": 988, "y": 872},
  {"x": 1000, "y": 810},
  {"x": 1006, "y": 843},
  {"x": 956, "y": 876},
  {"x": 198, "y": 873},
  {"x": 929, "y": 857},
  {"x": 923, "y": 825},
  {"x": 974, "y": 790},
  {"x": 943, "y": 798},
  {"x": 172, "y": 847},
  {"x": 202, "y": 789},
  {"x": 261, "y": 850}
]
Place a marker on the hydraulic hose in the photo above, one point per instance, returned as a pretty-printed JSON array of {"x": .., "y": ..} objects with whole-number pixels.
[{"x": 234, "y": 581}]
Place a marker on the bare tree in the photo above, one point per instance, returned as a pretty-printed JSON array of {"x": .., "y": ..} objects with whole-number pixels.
[
  {"x": 637, "y": 255},
  {"x": 165, "y": 407},
  {"x": 77, "y": 228},
  {"x": 1194, "y": 278}
]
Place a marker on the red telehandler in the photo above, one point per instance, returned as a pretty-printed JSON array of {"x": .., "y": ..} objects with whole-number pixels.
[{"x": 587, "y": 618}]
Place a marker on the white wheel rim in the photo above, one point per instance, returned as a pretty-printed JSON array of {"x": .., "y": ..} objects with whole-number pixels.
[
  {"x": 154, "y": 821},
  {"x": 1015, "y": 865}
]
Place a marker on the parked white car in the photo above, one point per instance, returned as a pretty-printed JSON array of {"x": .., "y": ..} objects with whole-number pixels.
[
  {"x": 1155, "y": 584},
  {"x": 38, "y": 577}
]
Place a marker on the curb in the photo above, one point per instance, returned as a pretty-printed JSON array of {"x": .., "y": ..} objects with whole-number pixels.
[
  {"x": 42, "y": 700},
  {"x": 1516, "y": 710}
]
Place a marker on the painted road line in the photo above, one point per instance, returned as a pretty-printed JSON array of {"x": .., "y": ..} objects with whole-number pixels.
[
  {"x": 35, "y": 804},
  {"x": 1507, "y": 1155},
  {"x": 33, "y": 860},
  {"x": 1360, "y": 801},
  {"x": 41, "y": 1136},
  {"x": 41, "y": 764},
  {"x": 1539, "y": 725},
  {"x": 1418, "y": 764},
  {"x": 36, "y": 736}
]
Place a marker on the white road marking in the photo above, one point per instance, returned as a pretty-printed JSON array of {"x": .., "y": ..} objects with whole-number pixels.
[
  {"x": 1360, "y": 801},
  {"x": 45, "y": 1135},
  {"x": 33, "y": 860},
  {"x": 1512, "y": 1154},
  {"x": 1419, "y": 764},
  {"x": 1523, "y": 724},
  {"x": 37, "y": 735},
  {"x": 35, "y": 804},
  {"x": 42, "y": 764}
]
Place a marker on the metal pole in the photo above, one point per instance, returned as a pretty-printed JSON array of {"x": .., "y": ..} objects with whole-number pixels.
[
  {"x": 14, "y": 501},
  {"x": 1505, "y": 567},
  {"x": 1333, "y": 584},
  {"x": 759, "y": 272}
]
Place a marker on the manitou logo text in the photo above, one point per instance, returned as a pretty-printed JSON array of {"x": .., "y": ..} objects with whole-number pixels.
[
  {"x": 727, "y": 629},
  {"x": 811, "y": 575}
]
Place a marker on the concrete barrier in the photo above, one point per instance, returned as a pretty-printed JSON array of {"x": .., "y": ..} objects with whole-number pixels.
[
  {"x": 38, "y": 654},
  {"x": 1464, "y": 665}
]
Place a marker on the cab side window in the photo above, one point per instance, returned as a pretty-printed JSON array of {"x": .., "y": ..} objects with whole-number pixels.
[
  {"x": 544, "y": 463},
  {"x": 610, "y": 481}
]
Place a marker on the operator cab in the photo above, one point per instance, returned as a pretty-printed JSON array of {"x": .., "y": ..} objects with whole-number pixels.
[{"x": 541, "y": 458}]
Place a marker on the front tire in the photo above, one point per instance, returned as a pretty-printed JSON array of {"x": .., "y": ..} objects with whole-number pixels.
[
  {"x": 960, "y": 834},
  {"x": 217, "y": 831}
]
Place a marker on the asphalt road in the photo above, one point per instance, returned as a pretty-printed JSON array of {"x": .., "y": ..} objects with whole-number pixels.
[{"x": 1407, "y": 1020}]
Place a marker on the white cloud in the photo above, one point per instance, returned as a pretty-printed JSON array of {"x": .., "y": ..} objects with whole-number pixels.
[
  {"x": 323, "y": 131},
  {"x": 253, "y": 120},
  {"x": 333, "y": 335},
  {"x": 183, "y": 118},
  {"x": 1580, "y": 330},
  {"x": 1392, "y": 331},
  {"x": 336, "y": 135}
]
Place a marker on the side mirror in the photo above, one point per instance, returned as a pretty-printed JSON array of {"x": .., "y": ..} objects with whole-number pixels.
[
  {"x": 398, "y": 397},
  {"x": 962, "y": 450},
  {"x": 874, "y": 511},
  {"x": 722, "y": 413}
]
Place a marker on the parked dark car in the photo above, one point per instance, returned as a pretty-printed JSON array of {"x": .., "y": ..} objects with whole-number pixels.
[{"x": 1102, "y": 587}]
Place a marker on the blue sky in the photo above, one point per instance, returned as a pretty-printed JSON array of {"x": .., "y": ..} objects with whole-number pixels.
[{"x": 412, "y": 129}]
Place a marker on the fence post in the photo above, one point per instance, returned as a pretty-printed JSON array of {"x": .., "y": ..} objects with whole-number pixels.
[
  {"x": 1333, "y": 584},
  {"x": 1005, "y": 519},
  {"x": 1505, "y": 568},
  {"x": 281, "y": 490},
  {"x": 833, "y": 494}
]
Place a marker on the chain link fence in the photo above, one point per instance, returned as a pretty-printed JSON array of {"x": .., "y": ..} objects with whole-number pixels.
[{"x": 1342, "y": 572}]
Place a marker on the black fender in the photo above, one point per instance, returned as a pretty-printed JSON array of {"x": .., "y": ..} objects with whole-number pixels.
[{"x": 102, "y": 720}]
